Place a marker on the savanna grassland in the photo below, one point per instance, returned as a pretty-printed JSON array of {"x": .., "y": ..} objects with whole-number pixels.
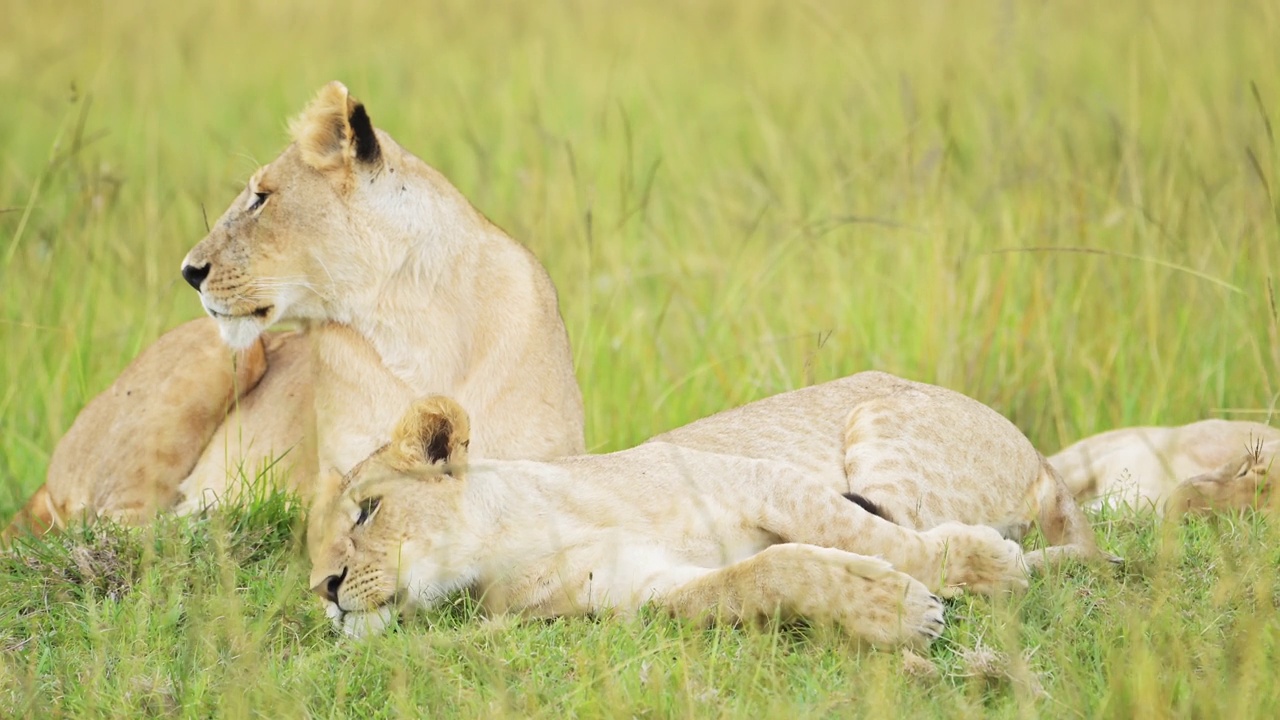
[{"x": 1070, "y": 211}]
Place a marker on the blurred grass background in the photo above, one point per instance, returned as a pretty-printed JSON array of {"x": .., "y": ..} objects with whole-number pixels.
[{"x": 1067, "y": 210}]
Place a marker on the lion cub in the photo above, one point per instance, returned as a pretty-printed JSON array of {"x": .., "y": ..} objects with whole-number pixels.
[
  {"x": 1198, "y": 468},
  {"x": 772, "y": 508}
]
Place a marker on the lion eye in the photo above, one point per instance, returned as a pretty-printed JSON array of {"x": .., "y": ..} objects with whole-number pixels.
[
  {"x": 258, "y": 199},
  {"x": 367, "y": 508}
]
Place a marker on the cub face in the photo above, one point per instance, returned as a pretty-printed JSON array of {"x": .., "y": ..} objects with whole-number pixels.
[
  {"x": 390, "y": 537},
  {"x": 269, "y": 257}
]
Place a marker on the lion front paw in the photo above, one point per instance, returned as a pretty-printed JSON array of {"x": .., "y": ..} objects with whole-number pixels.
[
  {"x": 922, "y": 616},
  {"x": 897, "y": 611},
  {"x": 879, "y": 605},
  {"x": 975, "y": 558}
]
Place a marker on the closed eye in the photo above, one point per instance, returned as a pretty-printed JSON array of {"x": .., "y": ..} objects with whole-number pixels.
[
  {"x": 259, "y": 198},
  {"x": 368, "y": 507}
]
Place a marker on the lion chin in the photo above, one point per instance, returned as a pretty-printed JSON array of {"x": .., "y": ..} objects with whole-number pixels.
[
  {"x": 241, "y": 328},
  {"x": 239, "y": 333}
]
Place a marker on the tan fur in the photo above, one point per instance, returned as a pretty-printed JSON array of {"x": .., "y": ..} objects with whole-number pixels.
[
  {"x": 130, "y": 445},
  {"x": 36, "y": 517},
  {"x": 270, "y": 430},
  {"x": 740, "y": 515},
  {"x": 403, "y": 288},
  {"x": 924, "y": 454},
  {"x": 1201, "y": 467}
]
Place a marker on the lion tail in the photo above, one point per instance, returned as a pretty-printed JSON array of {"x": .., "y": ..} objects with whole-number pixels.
[{"x": 35, "y": 517}]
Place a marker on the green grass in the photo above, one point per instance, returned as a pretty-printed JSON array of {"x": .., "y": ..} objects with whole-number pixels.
[{"x": 1070, "y": 211}]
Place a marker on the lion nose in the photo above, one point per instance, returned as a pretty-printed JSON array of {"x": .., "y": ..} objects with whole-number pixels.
[
  {"x": 328, "y": 588},
  {"x": 195, "y": 275}
]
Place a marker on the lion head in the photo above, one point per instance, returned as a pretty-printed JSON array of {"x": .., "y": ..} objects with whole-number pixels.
[
  {"x": 282, "y": 249},
  {"x": 394, "y": 535}
]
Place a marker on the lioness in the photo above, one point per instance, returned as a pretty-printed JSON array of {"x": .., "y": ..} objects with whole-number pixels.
[
  {"x": 745, "y": 513},
  {"x": 404, "y": 289},
  {"x": 1197, "y": 468}
]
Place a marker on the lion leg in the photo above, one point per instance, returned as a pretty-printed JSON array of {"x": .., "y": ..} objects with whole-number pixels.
[
  {"x": 132, "y": 445},
  {"x": 267, "y": 439},
  {"x": 1063, "y": 524},
  {"x": 922, "y": 462},
  {"x": 948, "y": 559},
  {"x": 1243, "y": 483},
  {"x": 906, "y": 467},
  {"x": 864, "y": 596}
]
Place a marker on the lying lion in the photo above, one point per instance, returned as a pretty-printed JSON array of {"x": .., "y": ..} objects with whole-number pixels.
[
  {"x": 1207, "y": 466},
  {"x": 404, "y": 289},
  {"x": 770, "y": 508}
]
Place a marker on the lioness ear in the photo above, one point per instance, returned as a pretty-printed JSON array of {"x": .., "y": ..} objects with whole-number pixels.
[
  {"x": 334, "y": 132},
  {"x": 435, "y": 431}
]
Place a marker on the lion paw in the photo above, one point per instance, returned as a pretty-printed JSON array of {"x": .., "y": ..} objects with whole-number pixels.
[
  {"x": 882, "y": 606},
  {"x": 897, "y": 612},
  {"x": 975, "y": 558},
  {"x": 922, "y": 620}
]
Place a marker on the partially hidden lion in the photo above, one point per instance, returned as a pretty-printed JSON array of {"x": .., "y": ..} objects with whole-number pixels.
[
  {"x": 402, "y": 289},
  {"x": 836, "y": 503},
  {"x": 1204, "y": 467}
]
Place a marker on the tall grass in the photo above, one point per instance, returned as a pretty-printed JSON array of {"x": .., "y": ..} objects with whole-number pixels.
[{"x": 1070, "y": 211}]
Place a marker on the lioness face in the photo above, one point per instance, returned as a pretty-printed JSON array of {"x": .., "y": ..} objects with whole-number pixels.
[
  {"x": 357, "y": 543},
  {"x": 384, "y": 543},
  {"x": 394, "y": 536},
  {"x": 278, "y": 252},
  {"x": 259, "y": 264}
]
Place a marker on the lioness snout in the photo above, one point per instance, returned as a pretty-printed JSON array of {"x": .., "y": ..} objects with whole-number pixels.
[
  {"x": 195, "y": 275},
  {"x": 328, "y": 588}
]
